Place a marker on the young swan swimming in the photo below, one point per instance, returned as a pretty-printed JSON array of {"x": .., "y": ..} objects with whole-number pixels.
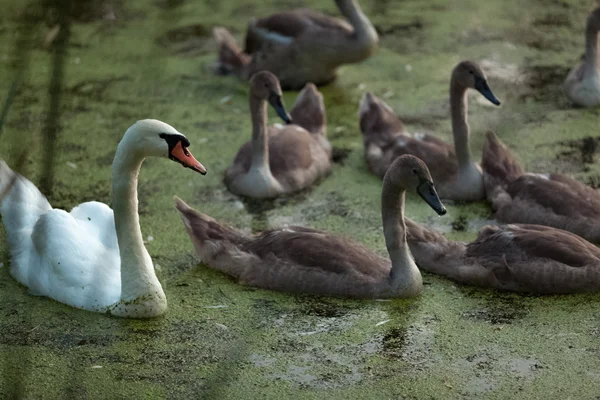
[
  {"x": 455, "y": 173},
  {"x": 281, "y": 159},
  {"x": 299, "y": 46},
  {"x": 516, "y": 258},
  {"x": 545, "y": 199},
  {"x": 304, "y": 260},
  {"x": 92, "y": 258},
  {"x": 583, "y": 82}
]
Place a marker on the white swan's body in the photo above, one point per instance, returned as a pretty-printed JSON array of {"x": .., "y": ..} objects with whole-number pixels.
[{"x": 75, "y": 257}]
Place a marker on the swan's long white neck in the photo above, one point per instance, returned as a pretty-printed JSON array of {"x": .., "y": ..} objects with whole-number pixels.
[
  {"x": 137, "y": 271},
  {"x": 591, "y": 49},
  {"x": 404, "y": 272}
]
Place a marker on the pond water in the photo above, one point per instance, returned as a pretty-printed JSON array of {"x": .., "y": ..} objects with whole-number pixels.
[{"x": 124, "y": 61}]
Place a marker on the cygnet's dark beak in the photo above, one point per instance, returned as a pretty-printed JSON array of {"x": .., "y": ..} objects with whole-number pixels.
[
  {"x": 277, "y": 104},
  {"x": 427, "y": 192},
  {"x": 482, "y": 87}
]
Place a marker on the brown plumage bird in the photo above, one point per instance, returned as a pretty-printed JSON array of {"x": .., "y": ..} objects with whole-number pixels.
[
  {"x": 299, "y": 46},
  {"x": 304, "y": 260}
]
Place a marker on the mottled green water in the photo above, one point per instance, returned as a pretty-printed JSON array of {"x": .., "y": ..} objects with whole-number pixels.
[{"x": 221, "y": 340}]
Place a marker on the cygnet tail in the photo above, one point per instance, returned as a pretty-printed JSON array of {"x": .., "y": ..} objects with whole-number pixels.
[
  {"x": 379, "y": 124},
  {"x": 217, "y": 245},
  {"x": 499, "y": 166},
  {"x": 309, "y": 110},
  {"x": 232, "y": 59}
]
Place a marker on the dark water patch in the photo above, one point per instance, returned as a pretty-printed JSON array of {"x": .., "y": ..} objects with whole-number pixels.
[
  {"x": 544, "y": 84},
  {"x": 169, "y": 4},
  {"x": 46, "y": 336},
  {"x": 592, "y": 181},
  {"x": 267, "y": 306},
  {"x": 190, "y": 40},
  {"x": 95, "y": 88},
  {"x": 380, "y": 7},
  {"x": 553, "y": 20},
  {"x": 542, "y": 76},
  {"x": 72, "y": 149},
  {"x": 406, "y": 28},
  {"x": 243, "y": 10},
  {"x": 174, "y": 266},
  {"x": 320, "y": 307},
  {"x": 393, "y": 342},
  {"x": 581, "y": 151},
  {"x": 495, "y": 315},
  {"x": 339, "y": 154},
  {"x": 106, "y": 159},
  {"x": 82, "y": 11},
  {"x": 460, "y": 223},
  {"x": 498, "y": 308}
]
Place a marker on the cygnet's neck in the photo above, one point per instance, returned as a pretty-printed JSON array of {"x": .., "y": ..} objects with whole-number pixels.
[
  {"x": 404, "y": 275},
  {"x": 460, "y": 126},
  {"x": 260, "y": 143}
]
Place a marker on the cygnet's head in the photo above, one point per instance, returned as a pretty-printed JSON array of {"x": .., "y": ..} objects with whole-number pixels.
[
  {"x": 410, "y": 173},
  {"x": 154, "y": 138},
  {"x": 265, "y": 86},
  {"x": 469, "y": 74}
]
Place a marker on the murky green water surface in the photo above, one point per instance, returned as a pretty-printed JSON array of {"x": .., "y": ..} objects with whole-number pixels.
[{"x": 221, "y": 340}]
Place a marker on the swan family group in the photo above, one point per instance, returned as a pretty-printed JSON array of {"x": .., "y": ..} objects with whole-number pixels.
[{"x": 94, "y": 258}]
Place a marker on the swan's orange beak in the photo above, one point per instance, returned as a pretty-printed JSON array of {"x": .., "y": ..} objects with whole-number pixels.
[{"x": 182, "y": 155}]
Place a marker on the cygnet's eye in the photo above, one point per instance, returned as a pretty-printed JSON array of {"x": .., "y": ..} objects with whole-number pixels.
[
  {"x": 471, "y": 72},
  {"x": 415, "y": 171}
]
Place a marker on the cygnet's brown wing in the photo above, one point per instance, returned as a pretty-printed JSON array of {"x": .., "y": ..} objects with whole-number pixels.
[
  {"x": 313, "y": 249},
  {"x": 438, "y": 155},
  {"x": 557, "y": 193},
  {"x": 433, "y": 252},
  {"x": 537, "y": 259},
  {"x": 291, "y": 24},
  {"x": 385, "y": 139},
  {"x": 295, "y": 259}
]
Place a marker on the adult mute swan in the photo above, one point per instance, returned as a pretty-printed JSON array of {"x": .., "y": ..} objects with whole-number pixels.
[{"x": 92, "y": 258}]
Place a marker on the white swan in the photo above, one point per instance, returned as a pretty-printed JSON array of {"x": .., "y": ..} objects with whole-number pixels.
[{"x": 89, "y": 258}]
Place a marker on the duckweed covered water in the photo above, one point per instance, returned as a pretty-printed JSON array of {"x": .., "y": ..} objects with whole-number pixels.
[{"x": 126, "y": 61}]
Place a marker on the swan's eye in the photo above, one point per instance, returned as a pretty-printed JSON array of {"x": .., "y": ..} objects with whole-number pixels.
[{"x": 415, "y": 171}]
